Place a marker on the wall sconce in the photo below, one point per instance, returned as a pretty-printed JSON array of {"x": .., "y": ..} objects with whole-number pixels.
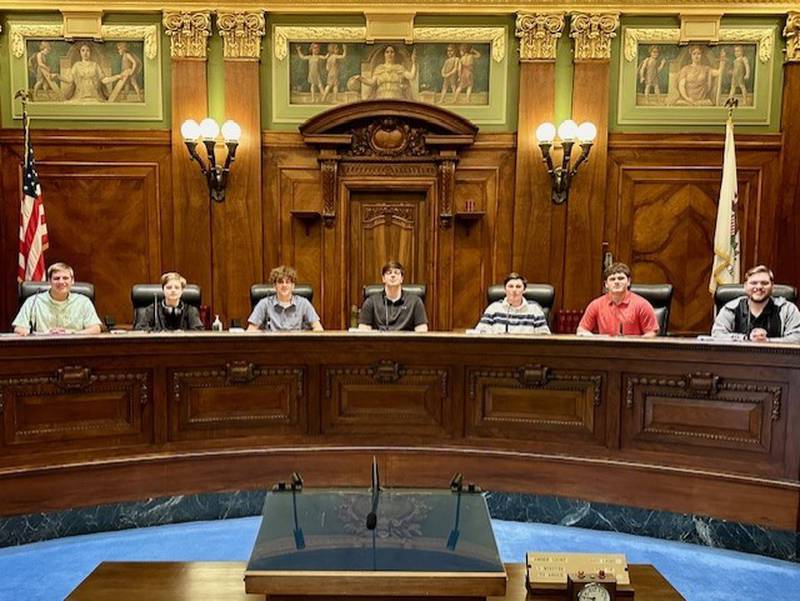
[
  {"x": 568, "y": 133},
  {"x": 208, "y": 130}
]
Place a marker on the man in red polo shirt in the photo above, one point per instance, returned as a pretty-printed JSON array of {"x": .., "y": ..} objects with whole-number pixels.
[{"x": 620, "y": 312}]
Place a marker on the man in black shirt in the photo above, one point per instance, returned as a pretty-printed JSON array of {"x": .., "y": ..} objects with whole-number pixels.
[
  {"x": 758, "y": 316},
  {"x": 393, "y": 309}
]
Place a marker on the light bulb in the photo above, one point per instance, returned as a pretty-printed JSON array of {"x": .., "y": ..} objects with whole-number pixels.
[
  {"x": 190, "y": 130},
  {"x": 587, "y": 132},
  {"x": 568, "y": 130},
  {"x": 545, "y": 133},
  {"x": 231, "y": 132},
  {"x": 209, "y": 129}
]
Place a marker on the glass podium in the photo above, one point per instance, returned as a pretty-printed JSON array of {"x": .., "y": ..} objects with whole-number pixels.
[{"x": 326, "y": 544}]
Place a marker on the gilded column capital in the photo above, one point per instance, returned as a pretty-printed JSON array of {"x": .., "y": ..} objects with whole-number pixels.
[
  {"x": 538, "y": 35},
  {"x": 593, "y": 34},
  {"x": 189, "y": 33},
  {"x": 792, "y": 34},
  {"x": 241, "y": 33}
]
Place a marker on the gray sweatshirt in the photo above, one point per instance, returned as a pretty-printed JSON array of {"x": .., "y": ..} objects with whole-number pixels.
[{"x": 788, "y": 312}]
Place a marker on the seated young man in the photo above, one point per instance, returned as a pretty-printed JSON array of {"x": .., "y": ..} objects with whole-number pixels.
[
  {"x": 393, "y": 309},
  {"x": 619, "y": 312},
  {"x": 514, "y": 314},
  {"x": 284, "y": 310},
  {"x": 58, "y": 311},
  {"x": 758, "y": 316},
  {"x": 171, "y": 313}
]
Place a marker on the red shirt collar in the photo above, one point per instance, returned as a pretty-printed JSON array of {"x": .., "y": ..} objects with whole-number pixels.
[{"x": 626, "y": 300}]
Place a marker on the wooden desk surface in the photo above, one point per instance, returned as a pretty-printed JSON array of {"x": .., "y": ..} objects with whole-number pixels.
[{"x": 224, "y": 581}]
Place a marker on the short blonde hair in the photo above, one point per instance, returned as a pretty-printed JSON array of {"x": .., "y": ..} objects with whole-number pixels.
[
  {"x": 60, "y": 267},
  {"x": 283, "y": 271},
  {"x": 171, "y": 276}
]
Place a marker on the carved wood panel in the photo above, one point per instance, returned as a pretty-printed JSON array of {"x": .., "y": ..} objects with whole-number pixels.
[
  {"x": 535, "y": 402},
  {"x": 662, "y": 214},
  {"x": 76, "y": 406},
  {"x": 236, "y": 400},
  {"x": 387, "y": 398},
  {"x": 705, "y": 415},
  {"x": 387, "y": 225}
]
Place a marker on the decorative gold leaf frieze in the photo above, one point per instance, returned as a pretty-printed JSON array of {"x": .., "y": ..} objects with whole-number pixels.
[
  {"x": 147, "y": 33},
  {"x": 189, "y": 33},
  {"x": 792, "y": 34},
  {"x": 496, "y": 36},
  {"x": 593, "y": 34},
  {"x": 538, "y": 35},
  {"x": 18, "y": 33},
  {"x": 764, "y": 37},
  {"x": 241, "y": 33}
]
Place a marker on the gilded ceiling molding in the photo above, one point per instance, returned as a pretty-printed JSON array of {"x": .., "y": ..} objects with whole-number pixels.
[
  {"x": 593, "y": 34},
  {"x": 189, "y": 33},
  {"x": 147, "y": 33},
  {"x": 311, "y": 34},
  {"x": 764, "y": 37},
  {"x": 792, "y": 34},
  {"x": 538, "y": 35},
  {"x": 241, "y": 33},
  {"x": 495, "y": 35},
  {"x": 18, "y": 33}
]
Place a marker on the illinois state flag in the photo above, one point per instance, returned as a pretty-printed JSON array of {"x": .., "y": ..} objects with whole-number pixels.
[
  {"x": 727, "y": 250},
  {"x": 32, "y": 223}
]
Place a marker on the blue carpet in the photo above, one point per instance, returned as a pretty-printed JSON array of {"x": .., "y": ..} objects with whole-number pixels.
[{"x": 49, "y": 570}]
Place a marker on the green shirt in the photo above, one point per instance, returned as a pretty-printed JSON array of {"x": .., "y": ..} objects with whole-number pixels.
[{"x": 73, "y": 314}]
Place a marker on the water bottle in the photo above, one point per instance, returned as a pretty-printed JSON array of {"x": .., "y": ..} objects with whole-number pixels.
[
  {"x": 353, "y": 316},
  {"x": 217, "y": 325}
]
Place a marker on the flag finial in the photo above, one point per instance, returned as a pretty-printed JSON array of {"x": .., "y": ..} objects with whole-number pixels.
[{"x": 730, "y": 104}]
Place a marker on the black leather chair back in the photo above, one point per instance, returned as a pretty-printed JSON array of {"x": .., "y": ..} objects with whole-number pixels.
[
  {"x": 142, "y": 295},
  {"x": 28, "y": 288},
  {"x": 660, "y": 296},
  {"x": 259, "y": 291},
  {"x": 416, "y": 289},
  {"x": 727, "y": 292},
  {"x": 543, "y": 294}
]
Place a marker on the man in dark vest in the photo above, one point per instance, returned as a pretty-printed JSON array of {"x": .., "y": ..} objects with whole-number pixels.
[{"x": 758, "y": 316}]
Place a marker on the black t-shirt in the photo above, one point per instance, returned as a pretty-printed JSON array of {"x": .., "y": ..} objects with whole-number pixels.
[
  {"x": 406, "y": 313},
  {"x": 769, "y": 319}
]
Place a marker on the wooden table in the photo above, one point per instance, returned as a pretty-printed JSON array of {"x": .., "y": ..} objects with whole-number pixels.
[{"x": 223, "y": 581}]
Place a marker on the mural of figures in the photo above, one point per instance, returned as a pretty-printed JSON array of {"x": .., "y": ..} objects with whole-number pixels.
[
  {"x": 695, "y": 76},
  {"x": 441, "y": 73},
  {"x": 85, "y": 72}
]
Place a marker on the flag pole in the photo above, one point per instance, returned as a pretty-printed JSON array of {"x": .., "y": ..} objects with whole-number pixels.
[{"x": 24, "y": 97}]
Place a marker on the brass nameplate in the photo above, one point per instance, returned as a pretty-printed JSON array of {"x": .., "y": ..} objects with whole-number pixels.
[{"x": 549, "y": 570}]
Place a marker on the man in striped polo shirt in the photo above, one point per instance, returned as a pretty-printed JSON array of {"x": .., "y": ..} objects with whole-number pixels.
[{"x": 513, "y": 314}]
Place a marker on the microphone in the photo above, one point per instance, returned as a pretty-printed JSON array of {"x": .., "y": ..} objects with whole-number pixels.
[
  {"x": 299, "y": 538},
  {"x": 372, "y": 516},
  {"x": 32, "y": 316},
  {"x": 155, "y": 312},
  {"x": 452, "y": 538}
]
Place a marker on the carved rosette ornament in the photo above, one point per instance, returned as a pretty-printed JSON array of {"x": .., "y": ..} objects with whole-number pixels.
[
  {"x": 538, "y": 35},
  {"x": 792, "y": 34},
  {"x": 241, "y": 34},
  {"x": 593, "y": 34},
  {"x": 189, "y": 33},
  {"x": 388, "y": 137}
]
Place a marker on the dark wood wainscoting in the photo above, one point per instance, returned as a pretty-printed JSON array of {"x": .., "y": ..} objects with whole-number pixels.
[{"x": 671, "y": 425}]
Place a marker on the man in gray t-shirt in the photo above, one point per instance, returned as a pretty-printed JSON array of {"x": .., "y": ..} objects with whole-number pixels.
[
  {"x": 283, "y": 310},
  {"x": 393, "y": 309}
]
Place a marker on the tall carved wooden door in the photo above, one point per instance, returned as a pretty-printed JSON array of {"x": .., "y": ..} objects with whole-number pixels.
[{"x": 387, "y": 225}]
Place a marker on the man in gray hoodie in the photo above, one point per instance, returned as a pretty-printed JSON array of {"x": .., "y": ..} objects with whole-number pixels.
[{"x": 758, "y": 316}]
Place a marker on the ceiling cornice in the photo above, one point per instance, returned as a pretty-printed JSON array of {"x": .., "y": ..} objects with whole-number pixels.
[{"x": 424, "y": 7}]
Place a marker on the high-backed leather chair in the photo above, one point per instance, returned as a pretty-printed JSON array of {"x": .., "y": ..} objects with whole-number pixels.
[
  {"x": 660, "y": 296},
  {"x": 143, "y": 296},
  {"x": 28, "y": 288},
  {"x": 259, "y": 291},
  {"x": 727, "y": 292},
  {"x": 416, "y": 289},
  {"x": 543, "y": 294}
]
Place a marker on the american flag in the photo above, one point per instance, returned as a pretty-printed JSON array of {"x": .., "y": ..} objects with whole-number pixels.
[{"x": 32, "y": 222}]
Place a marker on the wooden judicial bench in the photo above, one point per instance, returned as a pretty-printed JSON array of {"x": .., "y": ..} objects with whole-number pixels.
[
  {"x": 222, "y": 581},
  {"x": 668, "y": 424}
]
